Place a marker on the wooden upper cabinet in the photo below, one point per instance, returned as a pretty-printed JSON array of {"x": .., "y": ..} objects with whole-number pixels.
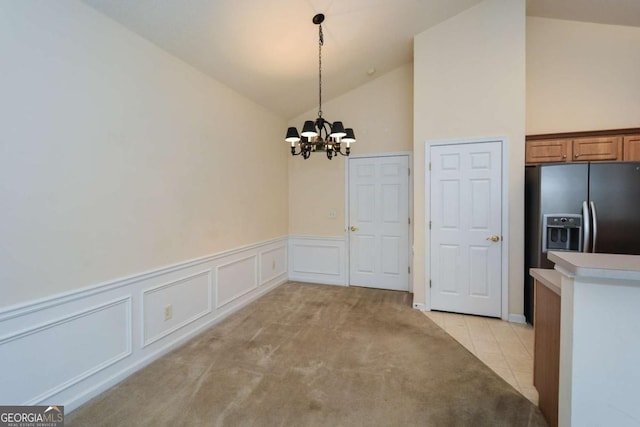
[
  {"x": 551, "y": 150},
  {"x": 593, "y": 145},
  {"x": 631, "y": 148},
  {"x": 602, "y": 148}
]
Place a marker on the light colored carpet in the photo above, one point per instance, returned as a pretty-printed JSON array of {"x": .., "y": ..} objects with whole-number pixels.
[{"x": 313, "y": 355}]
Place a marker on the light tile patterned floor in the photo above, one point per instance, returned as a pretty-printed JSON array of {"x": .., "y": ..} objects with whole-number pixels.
[{"x": 505, "y": 347}]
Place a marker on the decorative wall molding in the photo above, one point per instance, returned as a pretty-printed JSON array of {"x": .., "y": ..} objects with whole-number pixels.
[
  {"x": 100, "y": 344},
  {"x": 42, "y": 303},
  {"x": 235, "y": 279},
  {"x": 194, "y": 301},
  {"x": 56, "y": 337},
  {"x": 271, "y": 264},
  {"x": 318, "y": 259}
]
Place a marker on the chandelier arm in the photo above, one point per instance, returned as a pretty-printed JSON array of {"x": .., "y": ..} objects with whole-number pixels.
[
  {"x": 338, "y": 149},
  {"x": 324, "y": 127},
  {"x": 305, "y": 150}
]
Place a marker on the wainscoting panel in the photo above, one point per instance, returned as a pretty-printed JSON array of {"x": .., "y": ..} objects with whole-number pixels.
[
  {"x": 184, "y": 301},
  {"x": 317, "y": 260},
  {"x": 64, "y": 351},
  {"x": 70, "y": 347},
  {"x": 273, "y": 263},
  {"x": 235, "y": 279}
]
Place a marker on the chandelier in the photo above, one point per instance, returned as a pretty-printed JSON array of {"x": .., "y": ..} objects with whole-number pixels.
[{"x": 320, "y": 134}]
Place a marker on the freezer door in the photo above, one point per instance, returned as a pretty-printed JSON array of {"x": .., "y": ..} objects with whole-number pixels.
[
  {"x": 614, "y": 189},
  {"x": 563, "y": 189}
]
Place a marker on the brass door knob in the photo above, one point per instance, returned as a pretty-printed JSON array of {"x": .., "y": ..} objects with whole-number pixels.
[
  {"x": 354, "y": 228},
  {"x": 494, "y": 238}
]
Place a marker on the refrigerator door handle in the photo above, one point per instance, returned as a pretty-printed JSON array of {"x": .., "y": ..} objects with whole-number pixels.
[
  {"x": 586, "y": 224},
  {"x": 595, "y": 225}
]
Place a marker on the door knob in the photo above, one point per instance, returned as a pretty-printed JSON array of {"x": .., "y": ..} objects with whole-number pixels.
[
  {"x": 354, "y": 228},
  {"x": 494, "y": 238}
]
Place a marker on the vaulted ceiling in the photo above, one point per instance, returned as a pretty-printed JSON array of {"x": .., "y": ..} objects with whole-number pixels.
[{"x": 268, "y": 50}]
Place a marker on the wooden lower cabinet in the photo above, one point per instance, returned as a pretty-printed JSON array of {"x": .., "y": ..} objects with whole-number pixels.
[
  {"x": 631, "y": 148},
  {"x": 603, "y": 148},
  {"x": 546, "y": 368}
]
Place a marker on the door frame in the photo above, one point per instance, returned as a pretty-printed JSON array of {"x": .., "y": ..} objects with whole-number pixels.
[
  {"x": 503, "y": 140},
  {"x": 347, "y": 264}
]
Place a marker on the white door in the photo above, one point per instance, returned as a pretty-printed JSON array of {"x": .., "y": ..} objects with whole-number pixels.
[
  {"x": 466, "y": 228},
  {"x": 379, "y": 222}
]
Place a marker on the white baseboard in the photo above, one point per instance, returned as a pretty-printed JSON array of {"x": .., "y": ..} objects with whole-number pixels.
[
  {"x": 517, "y": 318},
  {"x": 418, "y": 306},
  {"x": 97, "y": 336},
  {"x": 315, "y": 259}
]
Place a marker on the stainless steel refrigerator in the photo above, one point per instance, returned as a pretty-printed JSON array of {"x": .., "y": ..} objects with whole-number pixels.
[{"x": 587, "y": 207}]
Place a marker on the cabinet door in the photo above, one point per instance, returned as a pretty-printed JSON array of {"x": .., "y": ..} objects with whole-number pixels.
[
  {"x": 547, "y": 150},
  {"x": 603, "y": 148},
  {"x": 631, "y": 148},
  {"x": 546, "y": 349}
]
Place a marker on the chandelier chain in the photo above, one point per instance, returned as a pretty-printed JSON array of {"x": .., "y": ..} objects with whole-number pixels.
[{"x": 320, "y": 43}]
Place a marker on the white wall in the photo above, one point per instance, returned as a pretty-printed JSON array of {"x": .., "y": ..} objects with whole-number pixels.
[
  {"x": 129, "y": 183},
  {"x": 581, "y": 76},
  {"x": 469, "y": 82},
  {"x": 117, "y": 158},
  {"x": 380, "y": 114}
]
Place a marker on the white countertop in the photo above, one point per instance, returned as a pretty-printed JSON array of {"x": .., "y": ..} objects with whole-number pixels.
[{"x": 602, "y": 266}]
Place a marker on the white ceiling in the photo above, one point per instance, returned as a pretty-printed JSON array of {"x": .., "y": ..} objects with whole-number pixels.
[{"x": 268, "y": 50}]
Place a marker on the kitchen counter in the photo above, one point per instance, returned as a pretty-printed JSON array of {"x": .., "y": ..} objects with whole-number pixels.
[
  {"x": 550, "y": 278},
  {"x": 599, "y": 373},
  {"x": 597, "y": 266}
]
